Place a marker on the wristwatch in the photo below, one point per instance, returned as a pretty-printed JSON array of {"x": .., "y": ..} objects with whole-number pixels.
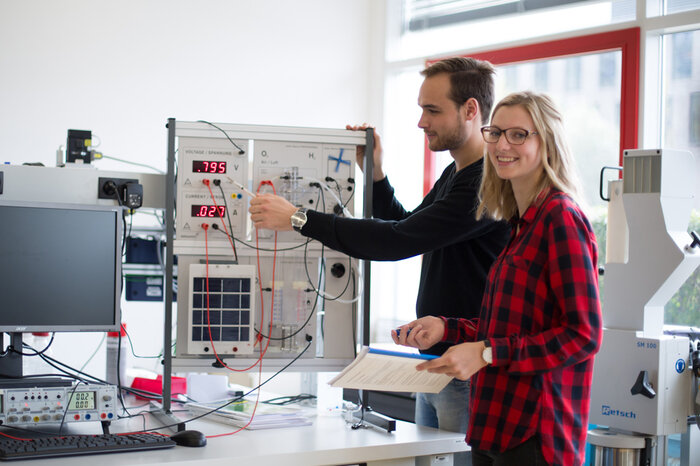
[
  {"x": 298, "y": 219},
  {"x": 487, "y": 354}
]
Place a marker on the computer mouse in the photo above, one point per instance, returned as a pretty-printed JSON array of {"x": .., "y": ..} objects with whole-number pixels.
[{"x": 189, "y": 438}]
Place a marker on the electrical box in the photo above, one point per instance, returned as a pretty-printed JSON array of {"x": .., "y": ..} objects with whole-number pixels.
[{"x": 301, "y": 298}]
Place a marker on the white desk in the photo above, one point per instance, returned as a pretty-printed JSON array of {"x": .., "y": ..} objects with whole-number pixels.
[{"x": 329, "y": 441}]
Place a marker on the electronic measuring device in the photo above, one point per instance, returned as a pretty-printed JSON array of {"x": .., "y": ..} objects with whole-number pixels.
[
  {"x": 649, "y": 256},
  {"x": 305, "y": 298},
  {"x": 56, "y": 403}
]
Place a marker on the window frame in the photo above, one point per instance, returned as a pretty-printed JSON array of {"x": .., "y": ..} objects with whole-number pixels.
[{"x": 627, "y": 41}]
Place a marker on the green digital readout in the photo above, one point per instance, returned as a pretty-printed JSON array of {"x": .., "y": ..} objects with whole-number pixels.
[{"x": 81, "y": 401}]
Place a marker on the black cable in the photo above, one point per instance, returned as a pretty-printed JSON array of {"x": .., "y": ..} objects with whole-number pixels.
[
  {"x": 240, "y": 151},
  {"x": 228, "y": 217},
  {"x": 291, "y": 335},
  {"x": 354, "y": 318},
  {"x": 133, "y": 352},
  {"x": 313, "y": 309},
  {"x": 238, "y": 398},
  {"x": 352, "y": 193},
  {"x": 119, "y": 377},
  {"x": 259, "y": 248},
  {"x": 65, "y": 411},
  {"x": 288, "y": 400},
  {"x": 306, "y": 268},
  {"x": 136, "y": 391},
  {"x": 35, "y": 353}
]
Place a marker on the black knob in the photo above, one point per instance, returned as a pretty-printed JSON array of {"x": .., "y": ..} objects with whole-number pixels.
[
  {"x": 337, "y": 270},
  {"x": 696, "y": 240},
  {"x": 642, "y": 386}
]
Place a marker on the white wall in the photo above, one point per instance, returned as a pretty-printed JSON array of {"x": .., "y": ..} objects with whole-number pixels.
[{"x": 121, "y": 68}]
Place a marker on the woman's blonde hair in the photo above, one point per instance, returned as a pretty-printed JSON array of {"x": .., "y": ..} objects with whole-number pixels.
[{"x": 496, "y": 197}]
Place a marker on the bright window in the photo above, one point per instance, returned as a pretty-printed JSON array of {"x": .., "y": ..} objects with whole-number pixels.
[
  {"x": 600, "y": 97},
  {"x": 681, "y": 130}
]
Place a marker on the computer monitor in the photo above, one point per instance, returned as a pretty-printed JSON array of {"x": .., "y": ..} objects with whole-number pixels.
[{"x": 60, "y": 269}]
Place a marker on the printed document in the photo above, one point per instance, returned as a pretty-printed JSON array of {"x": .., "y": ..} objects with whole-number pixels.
[{"x": 375, "y": 369}]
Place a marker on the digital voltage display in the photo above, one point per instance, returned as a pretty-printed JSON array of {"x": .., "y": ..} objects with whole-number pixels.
[
  {"x": 208, "y": 166},
  {"x": 82, "y": 401}
]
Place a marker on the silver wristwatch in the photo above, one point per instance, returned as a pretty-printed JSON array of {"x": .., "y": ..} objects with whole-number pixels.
[
  {"x": 298, "y": 219},
  {"x": 487, "y": 354}
]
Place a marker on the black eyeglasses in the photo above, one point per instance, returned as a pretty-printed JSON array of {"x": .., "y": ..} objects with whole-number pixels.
[{"x": 515, "y": 136}]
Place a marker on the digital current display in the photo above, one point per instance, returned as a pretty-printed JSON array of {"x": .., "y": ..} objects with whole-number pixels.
[
  {"x": 210, "y": 211},
  {"x": 82, "y": 401},
  {"x": 208, "y": 166}
]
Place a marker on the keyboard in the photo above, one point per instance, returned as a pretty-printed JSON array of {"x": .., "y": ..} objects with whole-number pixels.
[{"x": 70, "y": 445}]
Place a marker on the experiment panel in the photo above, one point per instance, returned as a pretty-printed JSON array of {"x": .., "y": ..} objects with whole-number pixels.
[{"x": 243, "y": 293}]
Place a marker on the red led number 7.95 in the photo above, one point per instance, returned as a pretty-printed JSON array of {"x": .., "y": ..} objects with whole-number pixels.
[{"x": 208, "y": 166}]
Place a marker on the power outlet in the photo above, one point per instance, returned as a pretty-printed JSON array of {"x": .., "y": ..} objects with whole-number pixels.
[{"x": 103, "y": 186}]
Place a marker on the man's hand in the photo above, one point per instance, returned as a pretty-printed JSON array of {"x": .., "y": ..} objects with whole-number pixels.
[
  {"x": 272, "y": 212},
  {"x": 422, "y": 333},
  {"x": 459, "y": 361},
  {"x": 377, "y": 173}
]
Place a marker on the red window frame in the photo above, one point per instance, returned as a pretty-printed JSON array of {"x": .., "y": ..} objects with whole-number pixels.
[{"x": 625, "y": 40}]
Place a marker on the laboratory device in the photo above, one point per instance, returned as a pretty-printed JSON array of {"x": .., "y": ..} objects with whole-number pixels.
[
  {"x": 295, "y": 295},
  {"x": 78, "y": 146},
  {"x": 38, "y": 403},
  {"x": 650, "y": 255}
]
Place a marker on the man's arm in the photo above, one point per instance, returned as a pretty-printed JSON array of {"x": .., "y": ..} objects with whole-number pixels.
[{"x": 439, "y": 224}]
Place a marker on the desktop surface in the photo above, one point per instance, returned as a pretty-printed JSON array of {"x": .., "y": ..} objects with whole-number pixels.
[{"x": 330, "y": 440}]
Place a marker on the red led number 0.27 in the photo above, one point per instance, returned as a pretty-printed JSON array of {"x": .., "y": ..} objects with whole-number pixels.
[{"x": 209, "y": 211}]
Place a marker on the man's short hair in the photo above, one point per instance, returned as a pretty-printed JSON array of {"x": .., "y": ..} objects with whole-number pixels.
[{"x": 469, "y": 78}]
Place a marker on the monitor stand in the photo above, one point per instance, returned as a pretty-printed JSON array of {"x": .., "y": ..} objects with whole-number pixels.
[{"x": 11, "y": 368}]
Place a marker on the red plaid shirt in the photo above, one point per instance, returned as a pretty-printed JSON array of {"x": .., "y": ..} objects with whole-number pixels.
[{"x": 541, "y": 313}]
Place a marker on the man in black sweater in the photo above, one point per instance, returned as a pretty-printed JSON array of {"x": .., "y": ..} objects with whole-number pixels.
[{"x": 456, "y": 97}]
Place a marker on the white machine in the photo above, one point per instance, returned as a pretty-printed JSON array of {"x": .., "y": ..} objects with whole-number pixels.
[{"x": 642, "y": 380}]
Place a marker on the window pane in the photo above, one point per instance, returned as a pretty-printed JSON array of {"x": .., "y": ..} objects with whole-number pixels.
[
  {"x": 587, "y": 91},
  {"x": 395, "y": 284},
  {"x": 446, "y": 38},
  {"x": 590, "y": 106},
  {"x": 676, "y": 6},
  {"x": 424, "y": 14},
  {"x": 681, "y": 130}
]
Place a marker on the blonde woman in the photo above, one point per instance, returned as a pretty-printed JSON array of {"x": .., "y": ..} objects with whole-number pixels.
[{"x": 530, "y": 354}]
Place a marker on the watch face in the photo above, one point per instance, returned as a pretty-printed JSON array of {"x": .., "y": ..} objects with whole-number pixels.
[{"x": 298, "y": 219}]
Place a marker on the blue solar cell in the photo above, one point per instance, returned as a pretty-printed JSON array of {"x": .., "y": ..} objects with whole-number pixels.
[
  {"x": 213, "y": 316},
  {"x": 215, "y": 331},
  {"x": 231, "y": 301},
  {"x": 245, "y": 301},
  {"x": 196, "y": 317},
  {"x": 196, "y": 333},
  {"x": 245, "y": 317},
  {"x": 214, "y": 285},
  {"x": 198, "y": 284},
  {"x": 197, "y": 301},
  {"x": 214, "y": 301},
  {"x": 229, "y": 334},
  {"x": 231, "y": 284}
]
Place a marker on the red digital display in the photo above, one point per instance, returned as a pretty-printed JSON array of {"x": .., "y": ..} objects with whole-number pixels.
[
  {"x": 208, "y": 166},
  {"x": 210, "y": 211}
]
